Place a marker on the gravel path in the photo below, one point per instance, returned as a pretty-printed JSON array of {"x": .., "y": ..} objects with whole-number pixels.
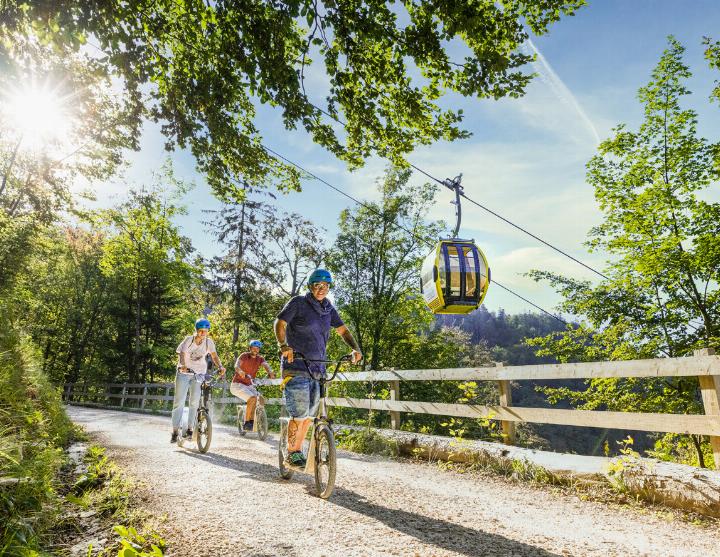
[{"x": 231, "y": 501}]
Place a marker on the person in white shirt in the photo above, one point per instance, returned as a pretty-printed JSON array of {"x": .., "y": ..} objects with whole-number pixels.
[{"x": 191, "y": 360}]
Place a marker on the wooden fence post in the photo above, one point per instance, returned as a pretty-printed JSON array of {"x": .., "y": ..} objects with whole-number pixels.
[
  {"x": 123, "y": 393},
  {"x": 66, "y": 394},
  {"x": 142, "y": 400},
  {"x": 710, "y": 390},
  {"x": 167, "y": 394},
  {"x": 224, "y": 394},
  {"x": 508, "y": 428},
  {"x": 394, "y": 395}
]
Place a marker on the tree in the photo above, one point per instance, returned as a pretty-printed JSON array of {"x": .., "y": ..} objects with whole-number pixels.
[
  {"x": 712, "y": 54},
  {"x": 238, "y": 228},
  {"x": 84, "y": 135},
  {"x": 146, "y": 261},
  {"x": 267, "y": 256},
  {"x": 40, "y": 160},
  {"x": 199, "y": 68},
  {"x": 66, "y": 300},
  {"x": 376, "y": 261},
  {"x": 84, "y": 316},
  {"x": 296, "y": 248},
  {"x": 661, "y": 296},
  {"x": 505, "y": 334}
]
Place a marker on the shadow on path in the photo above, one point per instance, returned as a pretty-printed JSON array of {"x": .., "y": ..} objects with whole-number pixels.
[
  {"x": 253, "y": 469},
  {"x": 433, "y": 531},
  {"x": 437, "y": 532}
]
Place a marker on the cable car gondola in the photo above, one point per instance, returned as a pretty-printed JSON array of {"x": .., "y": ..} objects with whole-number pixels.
[{"x": 455, "y": 276}]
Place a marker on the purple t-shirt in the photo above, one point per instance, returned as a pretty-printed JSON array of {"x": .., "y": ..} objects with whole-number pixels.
[{"x": 308, "y": 328}]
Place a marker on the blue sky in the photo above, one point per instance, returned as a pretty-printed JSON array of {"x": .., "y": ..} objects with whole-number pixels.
[{"x": 526, "y": 159}]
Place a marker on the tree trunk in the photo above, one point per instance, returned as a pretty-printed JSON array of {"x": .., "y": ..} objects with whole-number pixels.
[
  {"x": 697, "y": 441},
  {"x": 238, "y": 283},
  {"x": 294, "y": 289},
  {"x": 137, "y": 331},
  {"x": 15, "y": 205},
  {"x": 128, "y": 343},
  {"x": 77, "y": 354},
  {"x": 46, "y": 353},
  {"x": 9, "y": 166}
]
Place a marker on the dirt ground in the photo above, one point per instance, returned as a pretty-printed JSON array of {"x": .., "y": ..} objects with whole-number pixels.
[{"x": 231, "y": 501}]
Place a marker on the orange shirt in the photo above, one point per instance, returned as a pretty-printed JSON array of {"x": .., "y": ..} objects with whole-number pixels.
[{"x": 249, "y": 365}]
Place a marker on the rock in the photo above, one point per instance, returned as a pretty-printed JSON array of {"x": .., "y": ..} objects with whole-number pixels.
[{"x": 81, "y": 548}]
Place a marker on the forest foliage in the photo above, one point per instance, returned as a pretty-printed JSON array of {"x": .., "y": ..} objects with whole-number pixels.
[
  {"x": 90, "y": 296},
  {"x": 106, "y": 295},
  {"x": 203, "y": 70}
]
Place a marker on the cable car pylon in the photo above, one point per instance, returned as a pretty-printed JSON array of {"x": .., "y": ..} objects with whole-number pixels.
[{"x": 455, "y": 275}]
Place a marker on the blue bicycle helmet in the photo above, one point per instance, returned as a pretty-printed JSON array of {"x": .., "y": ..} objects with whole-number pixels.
[
  {"x": 320, "y": 275},
  {"x": 255, "y": 343},
  {"x": 202, "y": 324}
]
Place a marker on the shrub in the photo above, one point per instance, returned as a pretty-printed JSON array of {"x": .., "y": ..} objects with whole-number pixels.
[{"x": 33, "y": 431}]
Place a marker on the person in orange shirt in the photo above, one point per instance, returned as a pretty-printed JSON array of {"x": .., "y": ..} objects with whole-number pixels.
[{"x": 246, "y": 368}]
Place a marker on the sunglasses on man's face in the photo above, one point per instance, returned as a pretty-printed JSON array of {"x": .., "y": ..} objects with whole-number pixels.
[{"x": 320, "y": 285}]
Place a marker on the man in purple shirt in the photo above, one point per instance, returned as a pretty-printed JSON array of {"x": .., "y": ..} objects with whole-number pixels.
[{"x": 304, "y": 325}]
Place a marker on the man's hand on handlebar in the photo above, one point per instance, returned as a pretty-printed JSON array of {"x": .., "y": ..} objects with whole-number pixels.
[
  {"x": 287, "y": 353},
  {"x": 356, "y": 356}
]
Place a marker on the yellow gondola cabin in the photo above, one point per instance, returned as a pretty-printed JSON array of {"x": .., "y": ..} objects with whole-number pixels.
[{"x": 455, "y": 277}]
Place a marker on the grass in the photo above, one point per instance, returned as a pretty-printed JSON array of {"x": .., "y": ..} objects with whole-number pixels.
[
  {"x": 586, "y": 488},
  {"x": 41, "y": 500},
  {"x": 366, "y": 441},
  {"x": 33, "y": 432},
  {"x": 101, "y": 499}
]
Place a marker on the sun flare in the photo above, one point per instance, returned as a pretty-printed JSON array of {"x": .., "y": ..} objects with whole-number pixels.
[{"x": 38, "y": 115}]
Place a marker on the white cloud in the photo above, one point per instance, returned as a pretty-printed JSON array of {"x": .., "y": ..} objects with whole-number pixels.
[
  {"x": 559, "y": 89},
  {"x": 533, "y": 185},
  {"x": 514, "y": 264},
  {"x": 508, "y": 269}
]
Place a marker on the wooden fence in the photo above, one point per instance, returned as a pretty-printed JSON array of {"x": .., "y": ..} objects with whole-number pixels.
[{"x": 704, "y": 364}]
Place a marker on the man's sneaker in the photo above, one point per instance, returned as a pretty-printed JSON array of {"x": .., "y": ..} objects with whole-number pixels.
[
  {"x": 248, "y": 426},
  {"x": 187, "y": 434},
  {"x": 296, "y": 458},
  {"x": 174, "y": 436}
]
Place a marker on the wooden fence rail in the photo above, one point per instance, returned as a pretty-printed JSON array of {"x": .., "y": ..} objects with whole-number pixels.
[{"x": 704, "y": 364}]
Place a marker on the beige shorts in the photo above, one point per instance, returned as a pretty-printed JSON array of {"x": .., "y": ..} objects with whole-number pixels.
[{"x": 243, "y": 391}]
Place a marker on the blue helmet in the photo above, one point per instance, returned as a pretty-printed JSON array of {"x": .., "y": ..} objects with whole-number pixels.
[
  {"x": 319, "y": 275},
  {"x": 202, "y": 324},
  {"x": 255, "y": 343}
]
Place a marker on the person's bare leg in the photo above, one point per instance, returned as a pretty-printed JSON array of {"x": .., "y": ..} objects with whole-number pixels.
[
  {"x": 250, "y": 409},
  {"x": 304, "y": 429},
  {"x": 297, "y": 430}
]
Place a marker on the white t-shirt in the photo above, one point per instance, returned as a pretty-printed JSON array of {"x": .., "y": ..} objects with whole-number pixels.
[{"x": 195, "y": 353}]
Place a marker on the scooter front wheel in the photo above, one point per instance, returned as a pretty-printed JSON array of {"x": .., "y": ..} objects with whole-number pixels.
[
  {"x": 203, "y": 432},
  {"x": 261, "y": 423},
  {"x": 325, "y": 461}
]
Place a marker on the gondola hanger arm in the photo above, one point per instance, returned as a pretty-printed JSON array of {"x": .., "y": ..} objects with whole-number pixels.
[{"x": 455, "y": 186}]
